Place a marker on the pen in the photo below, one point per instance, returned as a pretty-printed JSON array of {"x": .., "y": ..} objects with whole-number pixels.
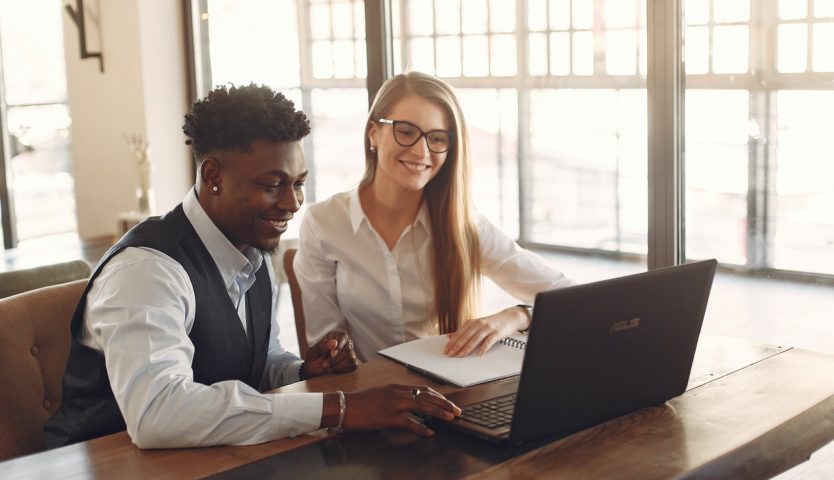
[{"x": 427, "y": 374}]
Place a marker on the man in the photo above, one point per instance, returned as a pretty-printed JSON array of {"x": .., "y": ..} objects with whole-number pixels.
[{"x": 176, "y": 336}]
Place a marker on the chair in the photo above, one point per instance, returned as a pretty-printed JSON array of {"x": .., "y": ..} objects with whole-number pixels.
[
  {"x": 19, "y": 281},
  {"x": 297, "y": 307},
  {"x": 34, "y": 347}
]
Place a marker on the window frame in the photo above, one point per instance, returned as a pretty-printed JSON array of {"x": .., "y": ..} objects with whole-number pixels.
[
  {"x": 7, "y": 213},
  {"x": 665, "y": 83}
]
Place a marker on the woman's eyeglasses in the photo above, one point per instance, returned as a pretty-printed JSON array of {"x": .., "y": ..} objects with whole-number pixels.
[{"x": 407, "y": 134}]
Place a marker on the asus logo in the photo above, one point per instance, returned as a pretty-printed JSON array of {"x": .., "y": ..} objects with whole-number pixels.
[{"x": 624, "y": 325}]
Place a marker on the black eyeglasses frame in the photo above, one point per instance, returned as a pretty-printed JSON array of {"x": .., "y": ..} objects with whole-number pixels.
[{"x": 423, "y": 134}]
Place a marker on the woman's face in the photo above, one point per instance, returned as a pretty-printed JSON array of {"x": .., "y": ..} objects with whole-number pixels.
[{"x": 410, "y": 167}]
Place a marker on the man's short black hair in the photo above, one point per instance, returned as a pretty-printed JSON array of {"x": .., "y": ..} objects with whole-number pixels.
[{"x": 231, "y": 118}]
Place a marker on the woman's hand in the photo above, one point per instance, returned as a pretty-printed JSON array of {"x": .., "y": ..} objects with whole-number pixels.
[
  {"x": 392, "y": 405},
  {"x": 481, "y": 333},
  {"x": 332, "y": 354}
]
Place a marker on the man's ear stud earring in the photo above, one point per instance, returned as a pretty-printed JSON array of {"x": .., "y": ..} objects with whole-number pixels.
[
  {"x": 214, "y": 189},
  {"x": 373, "y": 149}
]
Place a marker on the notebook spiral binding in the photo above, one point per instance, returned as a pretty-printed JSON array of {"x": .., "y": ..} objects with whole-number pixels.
[{"x": 514, "y": 342}]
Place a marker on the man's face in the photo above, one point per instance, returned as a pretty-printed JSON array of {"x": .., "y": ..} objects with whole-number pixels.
[{"x": 257, "y": 192}]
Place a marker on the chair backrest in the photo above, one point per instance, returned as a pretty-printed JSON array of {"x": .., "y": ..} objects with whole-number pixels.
[
  {"x": 19, "y": 281},
  {"x": 297, "y": 307},
  {"x": 34, "y": 346}
]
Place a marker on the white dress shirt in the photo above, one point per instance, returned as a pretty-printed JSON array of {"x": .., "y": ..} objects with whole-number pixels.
[
  {"x": 139, "y": 312},
  {"x": 351, "y": 281}
]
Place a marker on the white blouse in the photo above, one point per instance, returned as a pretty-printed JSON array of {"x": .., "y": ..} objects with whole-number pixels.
[{"x": 351, "y": 281}]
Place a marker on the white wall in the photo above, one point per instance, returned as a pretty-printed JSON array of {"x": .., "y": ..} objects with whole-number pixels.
[
  {"x": 143, "y": 91},
  {"x": 165, "y": 91}
]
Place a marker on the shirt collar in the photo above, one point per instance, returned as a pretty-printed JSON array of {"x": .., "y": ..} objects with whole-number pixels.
[
  {"x": 355, "y": 210},
  {"x": 229, "y": 260},
  {"x": 357, "y": 215},
  {"x": 423, "y": 216}
]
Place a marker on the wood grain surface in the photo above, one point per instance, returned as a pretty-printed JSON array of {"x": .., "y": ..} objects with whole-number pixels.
[
  {"x": 753, "y": 423},
  {"x": 752, "y": 411}
]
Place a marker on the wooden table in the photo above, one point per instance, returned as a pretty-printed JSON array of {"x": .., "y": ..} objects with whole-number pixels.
[{"x": 750, "y": 411}]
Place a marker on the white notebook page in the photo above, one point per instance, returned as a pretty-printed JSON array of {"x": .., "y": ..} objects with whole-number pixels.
[{"x": 426, "y": 354}]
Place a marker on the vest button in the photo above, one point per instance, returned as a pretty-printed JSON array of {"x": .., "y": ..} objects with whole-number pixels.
[
  {"x": 34, "y": 351},
  {"x": 46, "y": 404}
]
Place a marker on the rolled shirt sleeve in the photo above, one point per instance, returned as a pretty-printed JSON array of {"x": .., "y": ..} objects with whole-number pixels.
[{"x": 519, "y": 271}]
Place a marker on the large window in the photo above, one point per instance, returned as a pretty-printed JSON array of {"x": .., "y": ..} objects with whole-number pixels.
[
  {"x": 556, "y": 96},
  {"x": 38, "y": 193},
  {"x": 314, "y": 52},
  {"x": 758, "y": 119},
  {"x": 579, "y": 183}
]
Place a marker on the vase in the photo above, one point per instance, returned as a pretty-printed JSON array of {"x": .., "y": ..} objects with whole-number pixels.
[{"x": 143, "y": 197}]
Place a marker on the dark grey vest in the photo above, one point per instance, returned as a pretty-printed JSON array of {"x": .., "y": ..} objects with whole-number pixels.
[{"x": 222, "y": 350}]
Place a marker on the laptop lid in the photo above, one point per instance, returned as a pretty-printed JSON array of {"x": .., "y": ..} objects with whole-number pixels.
[{"x": 599, "y": 350}]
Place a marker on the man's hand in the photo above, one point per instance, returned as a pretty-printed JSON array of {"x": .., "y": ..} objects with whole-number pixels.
[
  {"x": 332, "y": 354},
  {"x": 391, "y": 405},
  {"x": 482, "y": 333}
]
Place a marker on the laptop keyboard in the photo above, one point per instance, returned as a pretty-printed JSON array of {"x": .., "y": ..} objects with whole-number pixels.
[{"x": 493, "y": 414}]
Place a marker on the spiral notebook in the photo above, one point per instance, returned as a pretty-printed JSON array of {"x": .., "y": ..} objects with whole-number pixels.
[{"x": 425, "y": 356}]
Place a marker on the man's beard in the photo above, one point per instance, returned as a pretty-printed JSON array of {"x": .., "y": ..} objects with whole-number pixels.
[{"x": 268, "y": 251}]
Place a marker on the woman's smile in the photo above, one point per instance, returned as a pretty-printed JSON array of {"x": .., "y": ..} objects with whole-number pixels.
[{"x": 415, "y": 166}]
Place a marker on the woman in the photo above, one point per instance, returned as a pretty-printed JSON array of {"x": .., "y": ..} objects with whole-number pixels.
[{"x": 401, "y": 256}]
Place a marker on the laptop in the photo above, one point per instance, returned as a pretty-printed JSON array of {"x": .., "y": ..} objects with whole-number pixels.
[{"x": 594, "y": 352}]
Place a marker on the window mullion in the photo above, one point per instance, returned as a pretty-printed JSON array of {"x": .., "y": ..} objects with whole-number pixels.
[
  {"x": 199, "y": 54},
  {"x": 665, "y": 134},
  {"x": 809, "y": 32},
  {"x": 379, "y": 44},
  {"x": 599, "y": 30},
  {"x": 762, "y": 63},
  {"x": 6, "y": 197},
  {"x": 304, "y": 42},
  {"x": 523, "y": 129}
]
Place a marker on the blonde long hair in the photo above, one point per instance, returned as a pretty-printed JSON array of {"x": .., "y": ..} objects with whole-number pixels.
[{"x": 456, "y": 262}]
